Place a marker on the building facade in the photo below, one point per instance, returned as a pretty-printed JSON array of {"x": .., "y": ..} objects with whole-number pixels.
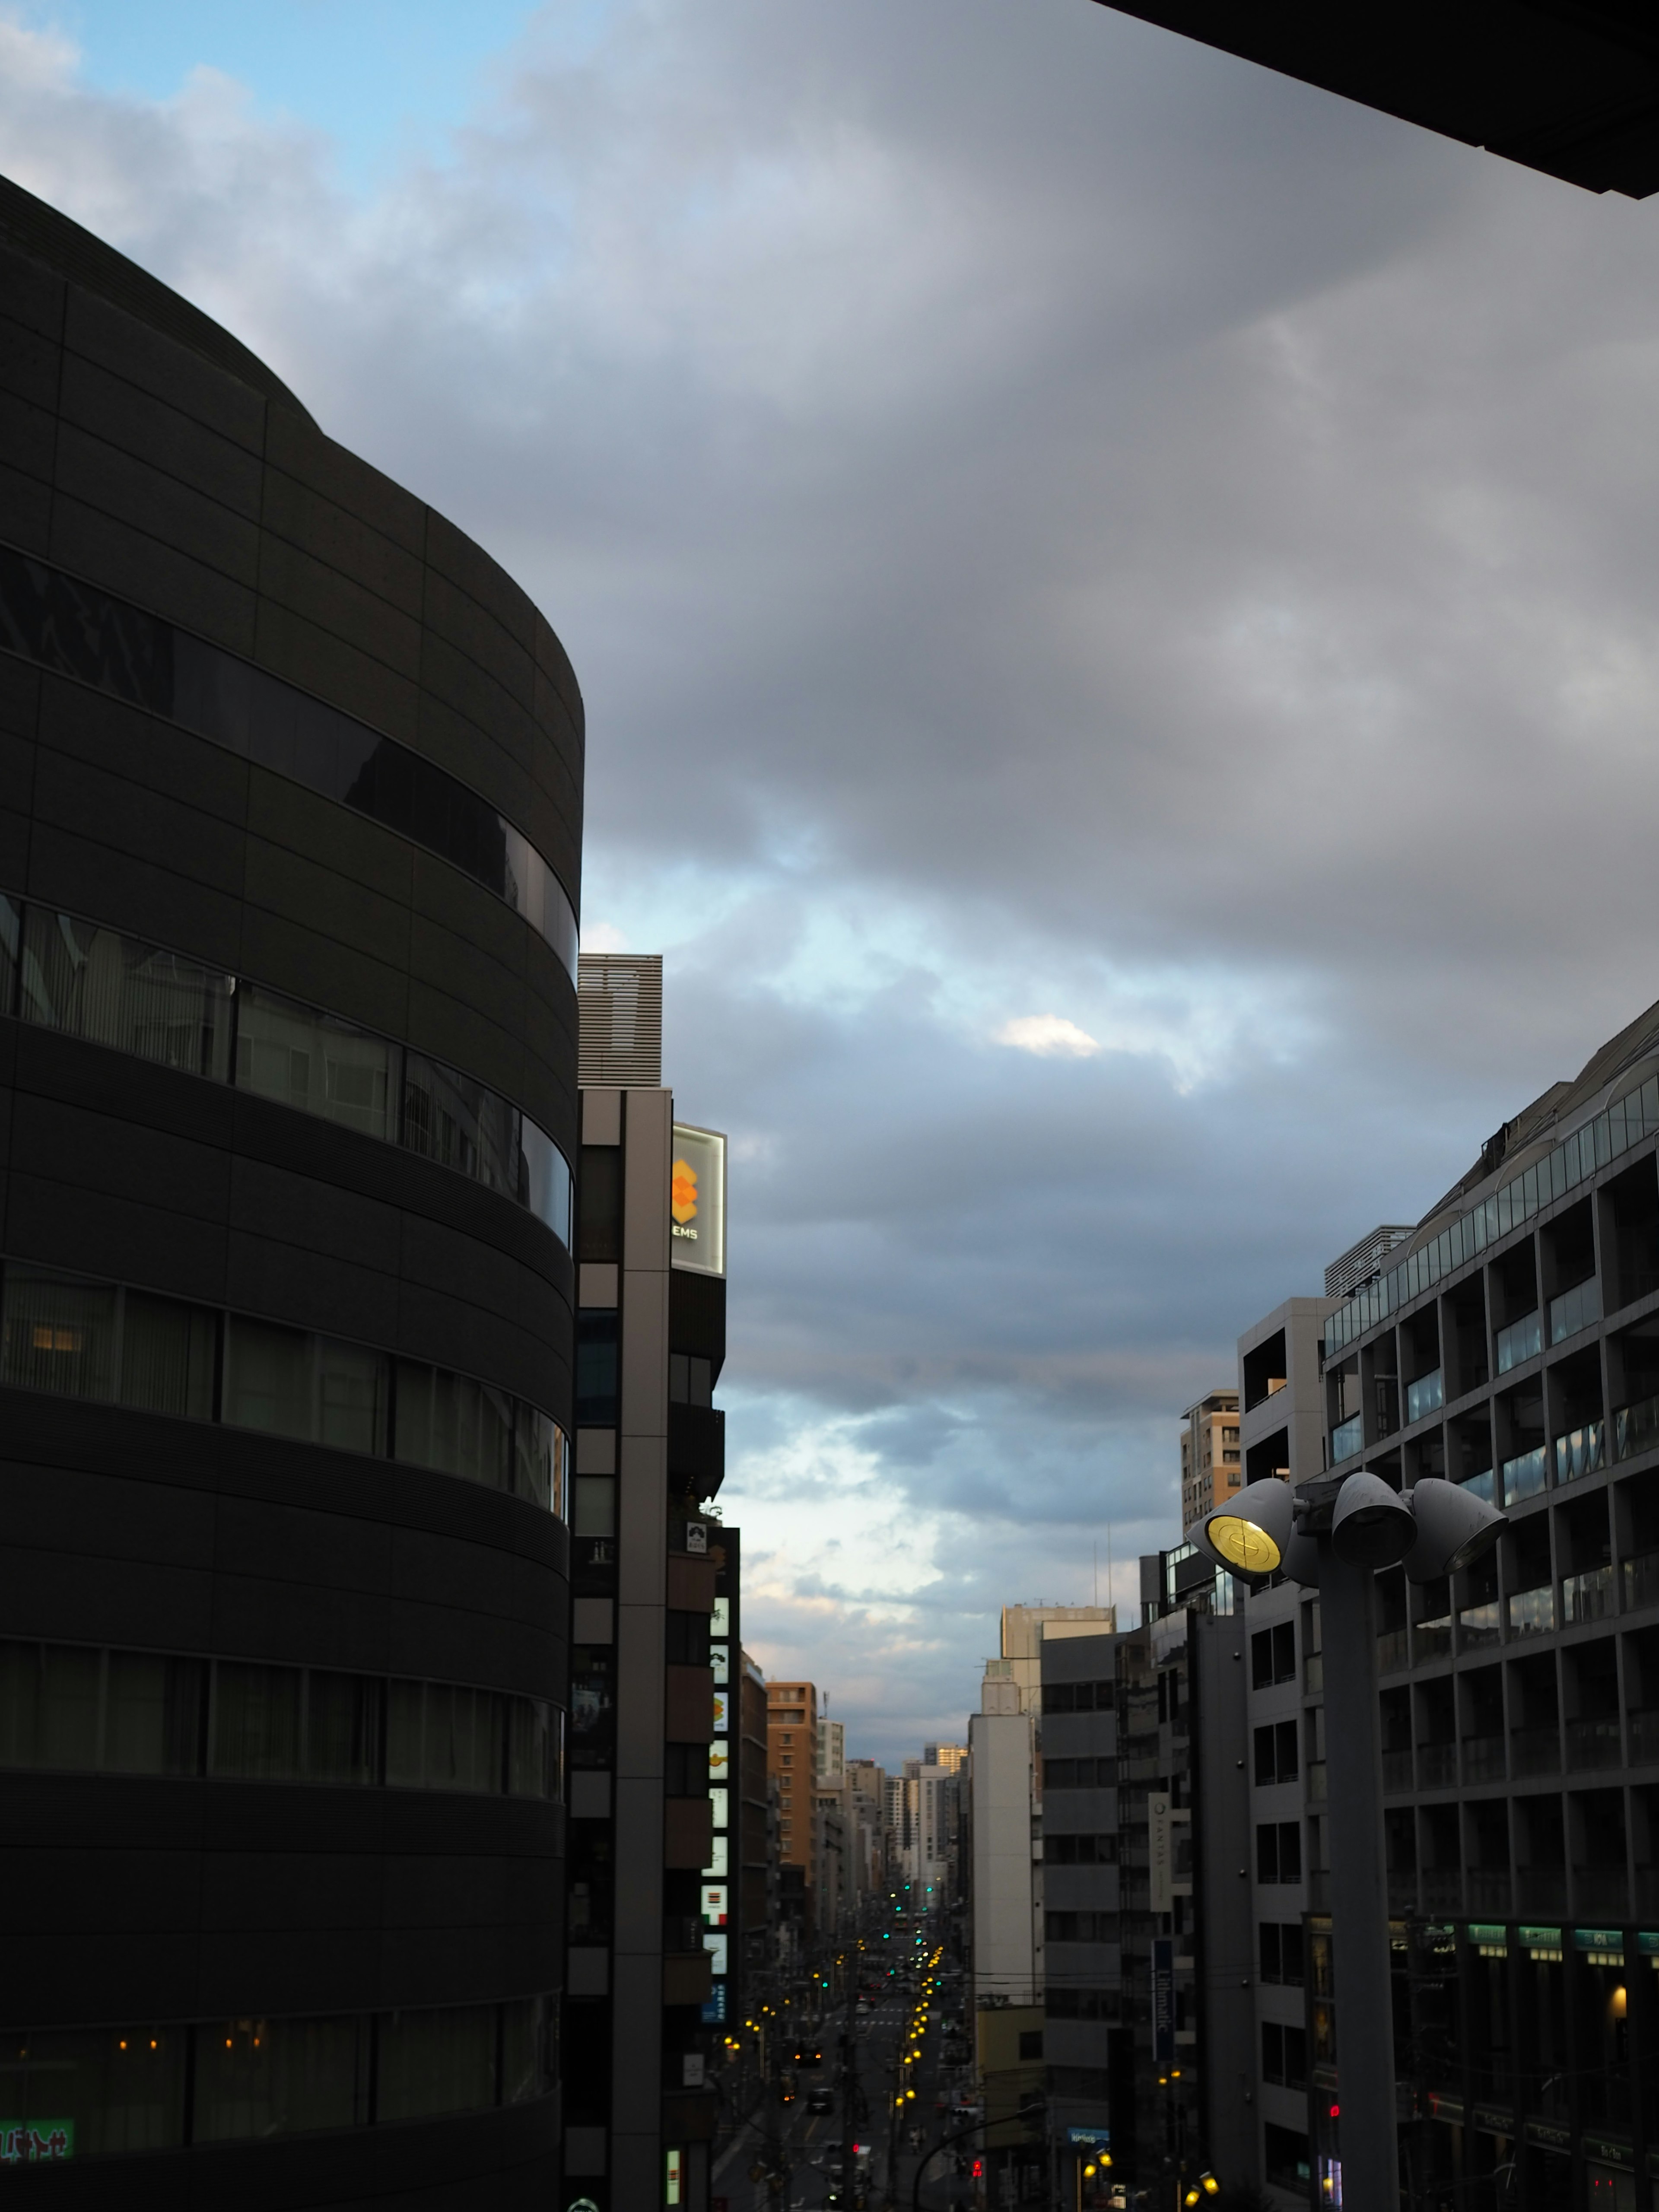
[
  {"x": 1513, "y": 1345},
  {"x": 655, "y": 1620},
  {"x": 791, "y": 1727},
  {"x": 290, "y": 816},
  {"x": 1210, "y": 1462}
]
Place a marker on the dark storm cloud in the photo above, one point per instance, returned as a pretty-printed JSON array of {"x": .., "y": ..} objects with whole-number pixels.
[{"x": 1049, "y": 522}]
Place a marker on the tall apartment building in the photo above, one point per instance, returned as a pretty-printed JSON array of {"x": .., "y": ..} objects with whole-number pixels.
[
  {"x": 1211, "y": 1463},
  {"x": 866, "y": 1785},
  {"x": 792, "y": 1727},
  {"x": 1513, "y": 1345},
  {"x": 656, "y": 1624},
  {"x": 290, "y": 828},
  {"x": 1282, "y": 1425}
]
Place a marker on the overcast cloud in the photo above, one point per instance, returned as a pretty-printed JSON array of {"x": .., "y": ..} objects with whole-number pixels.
[{"x": 1113, "y": 594}]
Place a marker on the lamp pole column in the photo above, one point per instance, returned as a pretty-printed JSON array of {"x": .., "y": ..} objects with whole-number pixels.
[{"x": 1368, "y": 2126}]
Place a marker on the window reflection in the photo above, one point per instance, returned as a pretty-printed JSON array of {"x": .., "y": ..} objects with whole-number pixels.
[
  {"x": 74, "y": 1338},
  {"x": 86, "y": 981}
]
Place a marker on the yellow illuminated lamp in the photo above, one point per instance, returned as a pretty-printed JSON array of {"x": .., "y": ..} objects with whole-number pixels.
[
  {"x": 1210, "y": 2186},
  {"x": 1242, "y": 1544},
  {"x": 1088, "y": 2173},
  {"x": 1192, "y": 2197},
  {"x": 1175, "y": 2073}
]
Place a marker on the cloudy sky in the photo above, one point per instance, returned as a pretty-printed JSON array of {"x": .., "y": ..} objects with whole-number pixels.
[{"x": 1116, "y": 599}]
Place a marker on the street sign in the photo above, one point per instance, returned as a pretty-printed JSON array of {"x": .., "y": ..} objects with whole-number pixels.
[{"x": 1091, "y": 2138}]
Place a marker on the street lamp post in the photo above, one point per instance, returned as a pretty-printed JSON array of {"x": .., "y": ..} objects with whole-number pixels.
[{"x": 1333, "y": 1534}]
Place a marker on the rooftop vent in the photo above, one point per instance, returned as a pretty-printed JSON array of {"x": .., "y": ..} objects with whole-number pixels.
[
  {"x": 1361, "y": 1261},
  {"x": 619, "y": 1004}
]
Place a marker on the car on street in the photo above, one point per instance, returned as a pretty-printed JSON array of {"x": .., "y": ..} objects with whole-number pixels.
[{"x": 821, "y": 2100}]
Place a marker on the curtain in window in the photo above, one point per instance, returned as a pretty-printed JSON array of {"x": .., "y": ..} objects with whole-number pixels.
[
  {"x": 59, "y": 1333},
  {"x": 256, "y": 1721},
  {"x": 260, "y": 2078},
  {"x": 268, "y": 1378},
  {"x": 436, "y": 2061},
  {"x": 166, "y": 1357},
  {"x": 153, "y": 1714},
  {"x": 119, "y": 991}
]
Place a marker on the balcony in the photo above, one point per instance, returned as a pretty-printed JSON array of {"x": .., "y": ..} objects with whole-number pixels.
[
  {"x": 1644, "y": 1726},
  {"x": 1636, "y": 1428},
  {"x": 1522, "y": 1340},
  {"x": 1483, "y": 1759},
  {"x": 1347, "y": 1439},
  {"x": 1437, "y": 1765},
  {"x": 1594, "y": 1743},
  {"x": 1592, "y": 1595},
  {"x": 1481, "y": 1486},
  {"x": 1478, "y": 1626},
  {"x": 1488, "y": 1889},
  {"x": 1540, "y": 1889},
  {"x": 1391, "y": 1650},
  {"x": 1403, "y": 1893},
  {"x": 1532, "y": 1612},
  {"x": 1425, "y": 1396},
  {"x": 1535, "y": 1751},
  {"x": 1431, "y": 1639},
  {"x": 1397, "y": 1777},
  {"x": 1317, "y": 1792},
  {"x": 1642, "y": 1581},
  {"x": 1575, "y": 1310},
  {"x": 1602, "y": 1891},
  {"x": 1313, "y": 1672},
  {"x": 1580, "y": 1452},
  {"x": 1523, "y": 1476},
  {"x": 1443, "y": 1889}
]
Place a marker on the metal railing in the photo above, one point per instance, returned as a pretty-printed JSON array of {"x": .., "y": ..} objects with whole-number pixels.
[
  {"x": 1478, "y": 1626},
  {"x": 1643, "y": 1725},
  {"x": 1636, "y": 1428},
  {"x": 1391, "y": 1650},
  {"x": 1532, "y": 1612},
  {"x": 1431, "y": 1639},
  {"x": 1523, "y": 1475},
  {"x": 1535, "y": 1751},
  {"x": 1594, "y": 1743},
  {"x": 1437, "y": 1765},
  {"x": 1580, "y": 1452},
  {"x": 1483, "y": 1759},
  {"x": 1642, "y": 1581},
  {"x": 1397, "y": 1777}
]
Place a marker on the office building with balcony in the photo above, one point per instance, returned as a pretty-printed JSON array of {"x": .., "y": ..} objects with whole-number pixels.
[
  {"x": 1512, "y": 1344},
  {"x": 656, "y": 1622},
  {"x": 291, "y": 815}
]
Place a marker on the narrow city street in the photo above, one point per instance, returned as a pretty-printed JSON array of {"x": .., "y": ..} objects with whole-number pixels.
[{"x": 891, "y": 2131}]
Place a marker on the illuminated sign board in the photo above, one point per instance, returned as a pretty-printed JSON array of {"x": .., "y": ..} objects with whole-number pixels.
[
  {"x": 696, "y": 1200},
  {"x": 720, "y": 1713},
  {"x": 719, "y": 1762},
  {"x": 713, "y": 1904},
  {"x": 36, "y": 2142},
  {"x": 714, "y": 1942},
  {"x": 717, "y": 1806},
  {"x": 720, "y": 1661},
  {"x": 719, "y": 1862}
]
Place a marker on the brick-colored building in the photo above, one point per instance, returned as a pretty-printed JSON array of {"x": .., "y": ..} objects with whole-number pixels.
[{"x": 792, "y": 1758}]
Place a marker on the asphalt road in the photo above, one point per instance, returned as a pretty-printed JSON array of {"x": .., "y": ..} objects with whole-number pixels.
[{"x": 811, "y": 2141}]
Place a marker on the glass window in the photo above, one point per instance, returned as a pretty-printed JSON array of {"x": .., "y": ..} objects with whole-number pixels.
[
  {"x": 153, "y": 1714},
  {"x": 342, "y": 1728},
  {"x": 260, "y": 2078},
  {"x": 435, "y": 2062},
  {"x": 96, "y": 2090},
  {"x": 49, "y": 1695},
  {"x": 462, "y": 1745},
  {"x": 596, "y": 1368},
  {"x": 450, "y": 1118},
  {"x": 537, "y": 1459},
  {"x": 314, "y": 1061},
  {"x": 114, "y": 990},
  {"x": 524, "y": 2064},
  {"x": 453, "y": 1424},
  {"x": 404, "y": 1732},
  {"x": 529, "y": 1765},
  {"x": 269, "y": 1373},
  {"x": 11, "y": 919},
  {"x": 593, "y": 1511},
  {"x": 256, "y": 1721},
  {"x": 59, "y": 1333},
  {"x": 353, "y": 1386},
  {"x": 547, "y": 1190},
  {"x": 167, "y": 1351}
]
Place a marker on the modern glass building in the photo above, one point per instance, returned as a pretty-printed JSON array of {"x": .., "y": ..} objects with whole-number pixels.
[
  {"x": 1513, "y": 1345},
  {"x": 290, "y": 814}
]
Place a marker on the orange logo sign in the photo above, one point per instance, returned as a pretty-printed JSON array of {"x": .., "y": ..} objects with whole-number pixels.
[{"x": 683, "y": 1194}]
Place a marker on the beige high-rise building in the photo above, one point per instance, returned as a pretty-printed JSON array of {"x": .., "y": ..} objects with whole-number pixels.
[
  {"x": 1025, "y": 1627},
  {"x": 792, "y": 1760},
  {"x": 1211, "y": 1466}
]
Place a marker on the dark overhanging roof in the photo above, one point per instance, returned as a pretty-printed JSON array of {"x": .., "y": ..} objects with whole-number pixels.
[{"x": 1569, "y": 86}]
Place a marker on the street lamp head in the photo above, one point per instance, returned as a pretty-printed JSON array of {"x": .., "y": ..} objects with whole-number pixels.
[
  {"x": 1249, "y": 1535},
  {"x": 1453, "y": 1528},
  {"x": 1371, "y": 1526}
]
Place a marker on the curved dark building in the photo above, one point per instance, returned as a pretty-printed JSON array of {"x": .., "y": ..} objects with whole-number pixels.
[{"x": 290, "y": 813}]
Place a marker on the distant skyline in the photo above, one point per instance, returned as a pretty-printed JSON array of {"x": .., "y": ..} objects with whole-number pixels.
[{"x": 1113, "y": 597}]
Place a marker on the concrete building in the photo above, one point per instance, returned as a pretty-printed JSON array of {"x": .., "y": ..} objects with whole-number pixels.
[
  {"x": 1513, "y": 1346},
  {"x": 866, "y": 1785},
  {"x": 1283, "y": 1430},
  {"x": 290, "y": 835},
  {"x": 1211, "y": 1465},
  {"x": 791, "y": 1734},
  {"x": 656, "y": 1620}
]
